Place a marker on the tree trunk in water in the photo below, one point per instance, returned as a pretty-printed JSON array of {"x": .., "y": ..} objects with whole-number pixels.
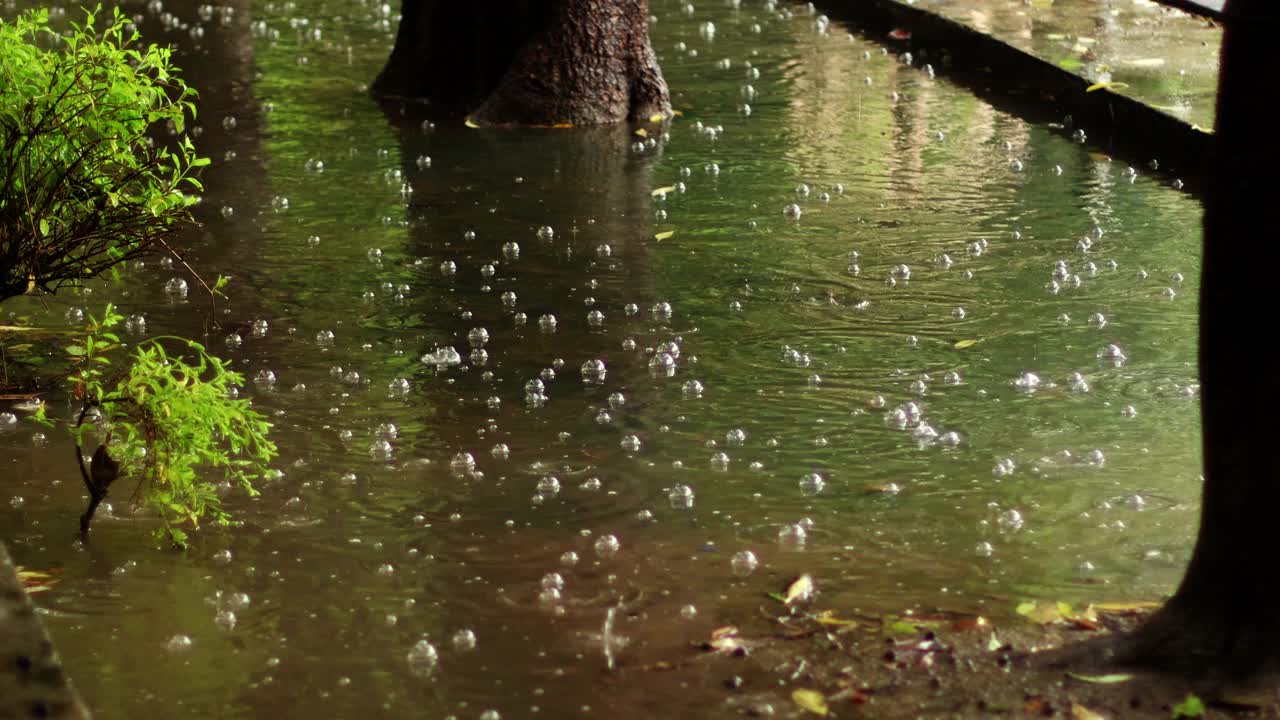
[
  {"x": 530, "y": 62},
  {"x": 1225, "y": 616}
]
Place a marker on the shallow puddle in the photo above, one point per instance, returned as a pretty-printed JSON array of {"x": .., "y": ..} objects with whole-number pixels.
[{"x": 933, "y": 355}]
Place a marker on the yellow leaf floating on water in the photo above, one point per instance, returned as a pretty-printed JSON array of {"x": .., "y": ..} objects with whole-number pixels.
[
  {"x": 1111, "y": 679},
  {"x": 470, "y": 123},
  {"x": 811, "y": 700},
  {"x": 725, "y": 639},
  {"x": 642, "y": 132},
  {"x": 1106, "y": 85},
  {"x": 657, "y": 117},
  {"x": 1080, "y": 712},
  {"x": 800, "y": 589},
  {"x": 664, "y": 235},
  {"x": 828, "y": 617},
  {"x": 662, "y": 190},
  {"x": 35, "y": 580},
  {"x": 965, "y": 344},
  {"x": 1115, "y": 607}
]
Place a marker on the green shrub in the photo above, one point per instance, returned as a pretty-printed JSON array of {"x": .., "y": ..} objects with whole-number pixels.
[
  {"x": 82, "y": 185},
  {"x": 170, "y": 419}
]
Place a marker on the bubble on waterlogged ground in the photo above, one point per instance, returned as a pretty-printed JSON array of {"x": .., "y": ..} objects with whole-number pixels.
[
  {"x": 477, "y": 337},
  {"x": 464, "y": 640},
  {"x": 175, "y": 288},
  {"x": 325, "y": 338},
  {"x": 398, "y": 387},
  {"x": 260, "y": 328},
  {"x": 984, "y": 549},
  {"x": 1077, "y": 383},
  {"x": 606, "y": 546},
  {"x": 548, "y": 486},
  {"x": 546, "y": 233},
  {"x": 462, "y": 463},
  {"x": 812, "y": 484},
  {"x": 681, "y": 497},
  {"x": 499, "y": 452},
  {"x": 1112, "y": 354},
  {"x": 720, "y": 462},
  {"x": 595, "y": 319},
  {"x": 569, "y": 558},
  {"x": 178, "y": 644},
  {"x": 1027, "y": 382},
  {"x": 744, "y": 563},
  {"x": 661, "y": 311},
  {"x": 688, "y": 612},
  {"x": 381, "y": 449},
  {"x": 423, "y": 658},
  {"x": 442, "y": 357},
  {"x": 7, "y": 420},
  {"x": 593, "y": 371},
  {"x": 547, "y": 323},
  {"x": 1010, "y": 520},
  {"x": 264, "y": 379},
  {"x": 662, "y": 365},
  {"x": 136, "y": 324},
  {"x": 792, "y": 536},
  {"x": 630, "y": 443}
]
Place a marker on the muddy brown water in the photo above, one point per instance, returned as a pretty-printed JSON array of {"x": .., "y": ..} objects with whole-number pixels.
[{"x": 349, "y": 559}]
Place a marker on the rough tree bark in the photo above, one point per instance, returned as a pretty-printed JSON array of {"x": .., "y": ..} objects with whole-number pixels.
[
  {"x": 528, "y": 62},
  {"x": 1224, "y": 619}
]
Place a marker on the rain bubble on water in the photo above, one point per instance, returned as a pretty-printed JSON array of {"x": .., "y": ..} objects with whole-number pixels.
[
  {"x": 178, "y": 644},
  {"x": 743, "y": 563},
  {"x": 812, "y": 484},
  {"x": 423, "y": 658},
  {"x": 606, "y": 546}
]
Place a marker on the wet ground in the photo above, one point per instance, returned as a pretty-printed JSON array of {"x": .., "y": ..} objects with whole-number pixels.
[
  {"x": 853, "y": 322},
  {"x": 1161, "y": 56}
]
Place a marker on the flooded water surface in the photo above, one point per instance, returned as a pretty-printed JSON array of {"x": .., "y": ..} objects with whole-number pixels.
[{"x": 554, "y": 404}]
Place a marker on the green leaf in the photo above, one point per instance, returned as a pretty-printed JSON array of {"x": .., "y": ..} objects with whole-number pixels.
[
  {"x": 1192, "y": 707},
  {"x": 75, "y": 350},
  {"x": 963, "y": 344}
]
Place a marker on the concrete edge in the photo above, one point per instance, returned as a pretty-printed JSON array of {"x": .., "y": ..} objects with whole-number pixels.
[
  {"x": 1015, "y": 81},
  {"x": 32, "y": 681}
]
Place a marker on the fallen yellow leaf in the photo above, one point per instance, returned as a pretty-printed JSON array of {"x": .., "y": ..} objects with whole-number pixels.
[
  {"x": 662, "y": 190},
  {"x": 664, "y": 235},
  {"x": 800, "y": 589},
  {"x": 827, "y": 617},
  {"x": 811, "y": 700},
  {"x": 965, "y": 344},
  {"x": 642, "y": 132},
  {"x": 1080, "y": 712},
  {"x": 657, "y": 117},
  {"x": 1107, "y": 85},
  {"x": 1116, "y": 607},
  {"x": 470, "y": 123}
]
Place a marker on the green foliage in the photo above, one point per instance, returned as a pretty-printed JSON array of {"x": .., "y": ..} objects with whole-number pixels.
[
  {"x": 1192, "y": 707},
  {"x": 83, "y": 186},
  {"x": 173, "y": 420}
]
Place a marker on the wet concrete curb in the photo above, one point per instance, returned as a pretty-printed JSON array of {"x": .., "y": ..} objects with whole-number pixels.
[
  {"x": 32, "y": 681},
  {"x": 1016, "y": 81}
]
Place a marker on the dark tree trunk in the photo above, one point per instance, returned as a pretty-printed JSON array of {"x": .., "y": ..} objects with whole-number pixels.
[
  {"x": 1225, "y": 617},
  {"x": 528, "y": 62}
]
